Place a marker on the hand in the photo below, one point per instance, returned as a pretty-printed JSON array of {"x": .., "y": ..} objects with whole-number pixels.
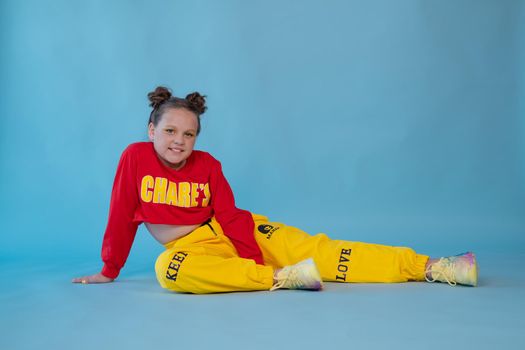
[{"x": 96, "y": 278}]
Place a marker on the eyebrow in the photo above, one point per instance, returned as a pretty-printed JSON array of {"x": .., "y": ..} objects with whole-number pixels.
[{"x": 174, "y": 127}]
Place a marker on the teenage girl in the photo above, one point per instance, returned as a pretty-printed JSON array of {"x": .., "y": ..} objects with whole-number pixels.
[{"x": 186, "y": 203}]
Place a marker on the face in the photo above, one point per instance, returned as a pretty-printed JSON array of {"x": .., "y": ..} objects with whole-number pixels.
[{"x": 174, "y": 136}]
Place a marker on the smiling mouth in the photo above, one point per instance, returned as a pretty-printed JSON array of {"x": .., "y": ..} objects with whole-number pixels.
[{"x": 176, "y": 150}]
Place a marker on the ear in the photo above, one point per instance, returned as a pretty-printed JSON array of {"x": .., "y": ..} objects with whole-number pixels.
[{"x": 151, "y": 131}]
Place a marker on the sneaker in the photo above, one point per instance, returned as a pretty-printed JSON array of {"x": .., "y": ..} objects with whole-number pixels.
[
  {"x": 303, "y": 275},
  {"x": 459, "y": 269}
]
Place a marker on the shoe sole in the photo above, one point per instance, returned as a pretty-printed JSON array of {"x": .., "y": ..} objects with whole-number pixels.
[{"x": 474, "y": 267}]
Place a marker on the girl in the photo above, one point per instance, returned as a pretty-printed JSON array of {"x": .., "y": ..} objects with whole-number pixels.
[{"x": 183, "y": 198}]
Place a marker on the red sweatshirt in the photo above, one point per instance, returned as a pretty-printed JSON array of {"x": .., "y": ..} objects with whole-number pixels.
[{"x": 145, "y": 190}]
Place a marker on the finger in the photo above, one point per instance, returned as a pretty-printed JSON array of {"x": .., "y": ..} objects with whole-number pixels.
[{"x": 83, "y": 280}]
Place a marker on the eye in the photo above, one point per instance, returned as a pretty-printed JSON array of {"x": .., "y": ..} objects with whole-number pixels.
[
  {"x": 169, "y": 131},
  {"x": 189, "y": 134}
]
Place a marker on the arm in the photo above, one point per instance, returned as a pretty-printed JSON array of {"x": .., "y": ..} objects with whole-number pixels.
[
  {"x": 237, "y": 224},
  {"x": 121, "y": 230}
]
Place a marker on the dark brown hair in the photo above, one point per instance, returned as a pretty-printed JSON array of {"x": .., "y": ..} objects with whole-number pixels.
[{"x": 161, "y": 100}]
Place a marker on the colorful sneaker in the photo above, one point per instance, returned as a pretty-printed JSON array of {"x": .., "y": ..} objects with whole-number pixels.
[
  {"x": 303, "y": 275},
  {"x": 459, "y": 269}
]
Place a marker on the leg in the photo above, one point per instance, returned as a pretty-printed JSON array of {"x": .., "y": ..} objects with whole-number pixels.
[
  {"x": 338, "y": 260},
  {"x": 192, "y": 273},
  {"x": 205, "y": 261}
]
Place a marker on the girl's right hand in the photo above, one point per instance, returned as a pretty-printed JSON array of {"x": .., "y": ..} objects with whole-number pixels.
[{"x": 96, "y": 278}]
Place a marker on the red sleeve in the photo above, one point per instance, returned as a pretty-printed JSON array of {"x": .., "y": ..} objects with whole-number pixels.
[
  {"x": 237, "y": 224},
  {"x": 121, "y": 230}
]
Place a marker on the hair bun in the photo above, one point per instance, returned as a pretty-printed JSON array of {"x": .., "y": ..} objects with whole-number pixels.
[
  {"x": 160, "y": 95},
  {"x": 197, "y": 102}
]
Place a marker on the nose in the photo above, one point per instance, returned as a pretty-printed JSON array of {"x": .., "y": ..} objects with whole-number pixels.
[{"x": 178, "y": 139}]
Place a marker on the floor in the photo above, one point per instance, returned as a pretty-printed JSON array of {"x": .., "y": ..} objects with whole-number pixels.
[{"x": 40, "y": 308}]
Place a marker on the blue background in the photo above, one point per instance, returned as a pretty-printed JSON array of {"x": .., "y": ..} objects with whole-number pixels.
[{"x": 396, "y": 122}]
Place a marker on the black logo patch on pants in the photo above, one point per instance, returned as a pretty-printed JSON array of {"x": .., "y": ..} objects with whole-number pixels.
[
  {"x": 174, "y": 266},
  {"x": 267, "y": 230}
]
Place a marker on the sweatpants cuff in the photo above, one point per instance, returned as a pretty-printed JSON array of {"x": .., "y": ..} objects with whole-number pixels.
[
  {"x": 421, "y": 263},
  {"x": 267, "y": 276}
]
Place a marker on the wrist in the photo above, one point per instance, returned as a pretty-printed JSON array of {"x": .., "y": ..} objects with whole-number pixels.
[{"x": 109, "y": 272}]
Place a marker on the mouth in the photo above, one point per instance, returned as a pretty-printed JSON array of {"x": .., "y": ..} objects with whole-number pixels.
[{"x": 176, "y": 150}]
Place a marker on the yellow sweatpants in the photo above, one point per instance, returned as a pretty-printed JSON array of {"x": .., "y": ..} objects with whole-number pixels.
[{"x": 205, "y": 261}]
